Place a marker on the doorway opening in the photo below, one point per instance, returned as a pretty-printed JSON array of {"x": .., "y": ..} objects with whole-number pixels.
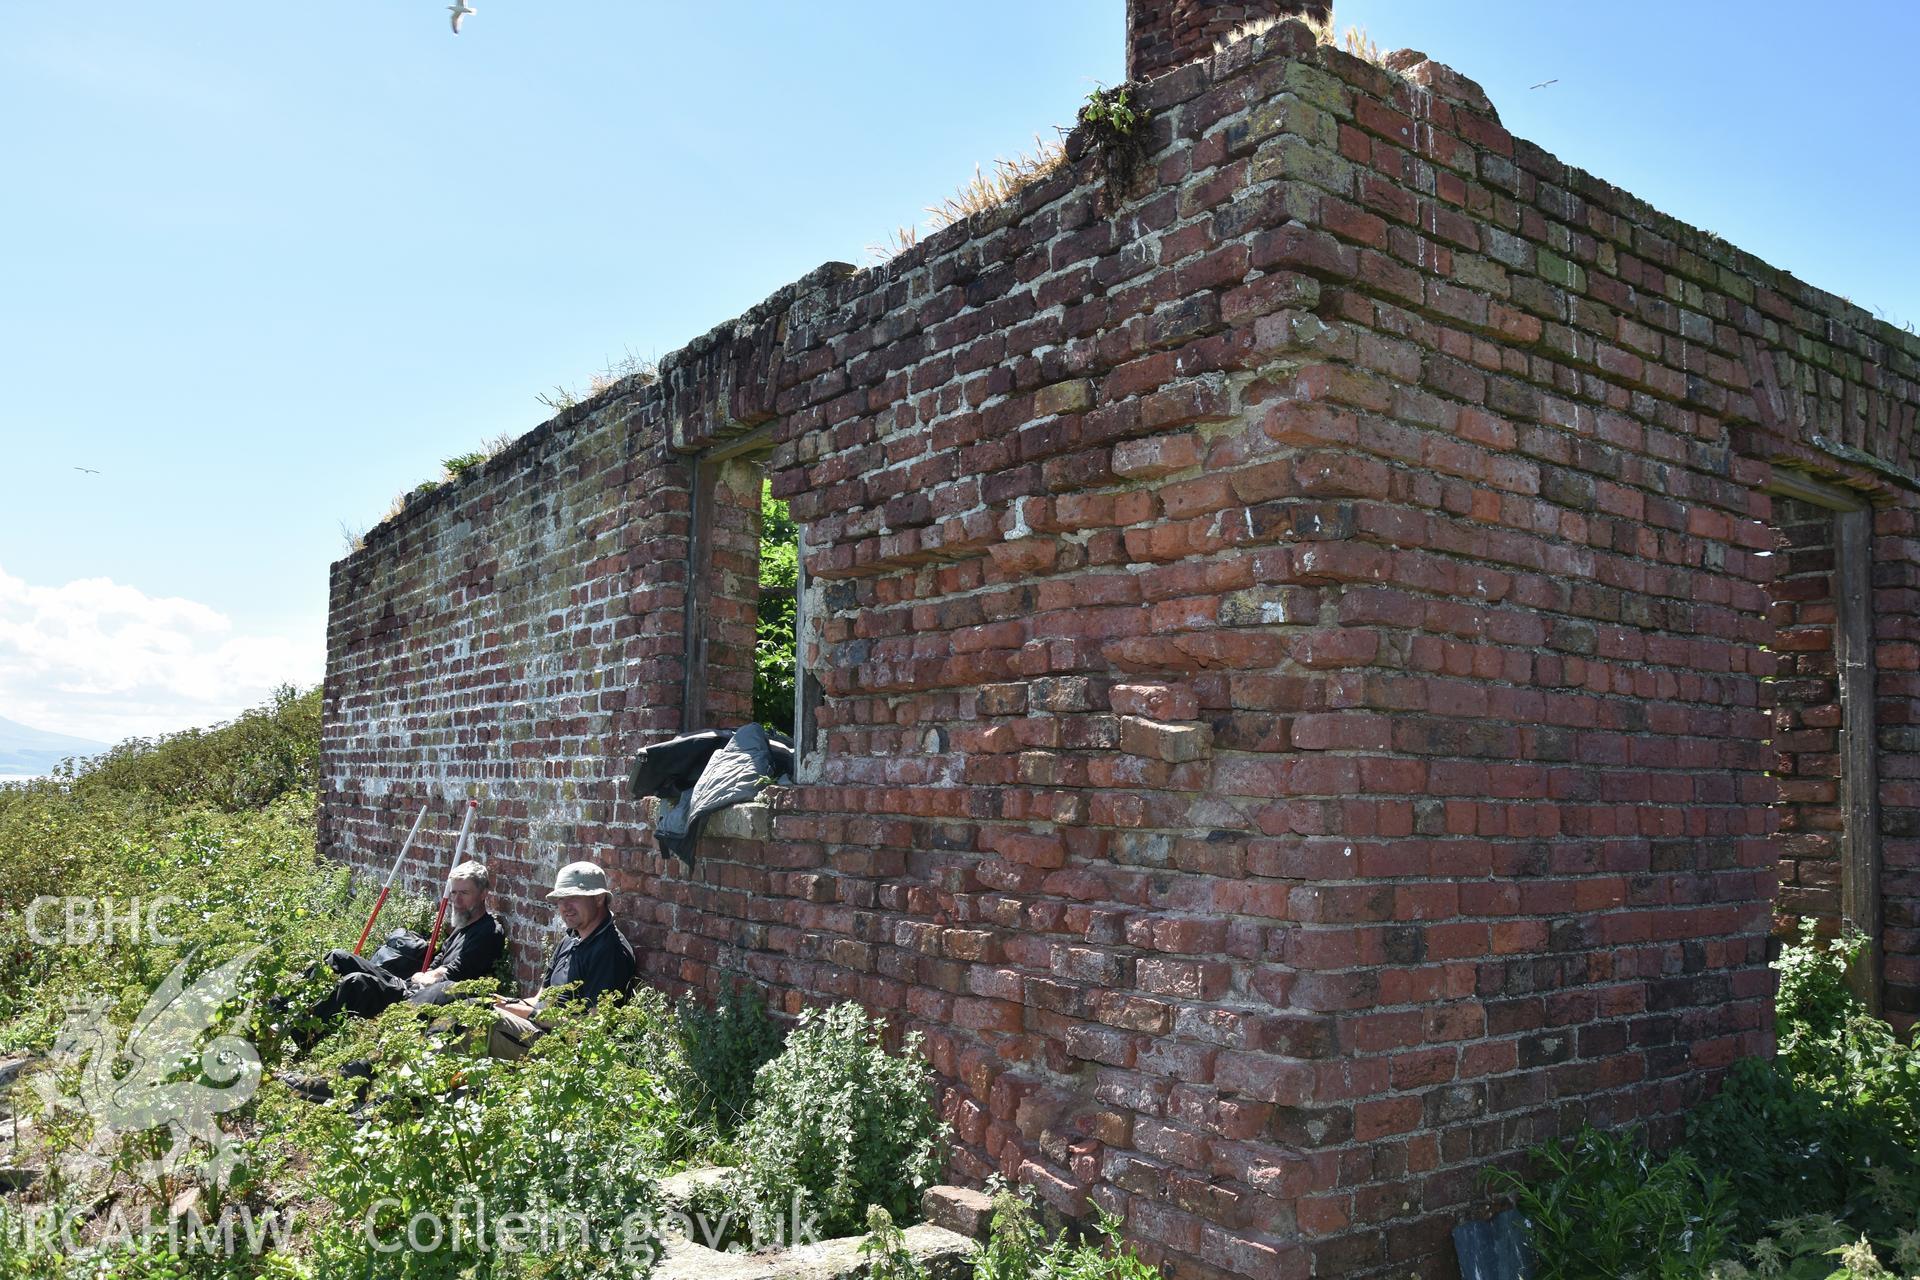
[{"x": 1823, "y": 717}]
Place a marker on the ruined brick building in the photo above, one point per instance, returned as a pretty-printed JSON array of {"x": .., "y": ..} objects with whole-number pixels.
[{"x": 1318, "y": 663}]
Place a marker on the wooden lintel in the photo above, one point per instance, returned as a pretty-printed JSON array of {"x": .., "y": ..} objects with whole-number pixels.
[
  {"x": 1797, "y": 484},
  {"x": 761, "y": 439}
]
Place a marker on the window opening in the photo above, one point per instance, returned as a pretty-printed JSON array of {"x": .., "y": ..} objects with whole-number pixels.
[{"x": 745, "y": 607}]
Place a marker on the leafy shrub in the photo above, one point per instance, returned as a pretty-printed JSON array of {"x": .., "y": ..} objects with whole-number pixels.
[
  {"x": 1016, "y": 1243},
  {"x": 236, "y": 881},
  {"x": 1814, "y": 1004},
  {"x": 837, "y": 1124},
  {"x": 1777, "y": 1144},
  {"x": 888, "y": 1255},
  {"x": 574, "y": 1136},
  {"x": 263, "y": 754},
  {"x": 1118, "y": 124},
  {"x": 1603, "y": 1206},
  {"x": 1104, "y": 1257},
  {"x": 1831, "y": 1127},
  {"x": 724, "y": 1047}
]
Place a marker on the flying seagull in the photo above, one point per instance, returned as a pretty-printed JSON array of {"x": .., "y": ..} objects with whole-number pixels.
[
  {"x": 1543, "y": 84},
  {"x": 459, "y": 9},
  {"x": 89, "y": 470}
]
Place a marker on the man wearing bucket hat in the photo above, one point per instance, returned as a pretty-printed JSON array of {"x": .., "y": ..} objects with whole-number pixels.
[{"x": 596, "y": 956}]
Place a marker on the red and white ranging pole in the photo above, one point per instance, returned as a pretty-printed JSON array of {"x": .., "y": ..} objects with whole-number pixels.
[{"x": 387, "y": 888}]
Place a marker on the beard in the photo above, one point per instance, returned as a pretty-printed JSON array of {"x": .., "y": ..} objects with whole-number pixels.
[{"x": 458, "y": 919}]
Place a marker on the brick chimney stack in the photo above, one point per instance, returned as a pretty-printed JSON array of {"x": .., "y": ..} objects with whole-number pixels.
[{"x": 1162, "y": 34}]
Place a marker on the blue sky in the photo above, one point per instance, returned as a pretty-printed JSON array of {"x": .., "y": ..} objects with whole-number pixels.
[{"x": 266, "y": 265}]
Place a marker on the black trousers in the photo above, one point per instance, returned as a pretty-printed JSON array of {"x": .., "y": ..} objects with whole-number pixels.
[
  {"x": 433, "y": 993},
  {"x": 364, "y": 990}
]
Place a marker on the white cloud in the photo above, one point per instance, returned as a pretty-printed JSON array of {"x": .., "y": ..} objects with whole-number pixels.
[{"x": 101, "y": 660}]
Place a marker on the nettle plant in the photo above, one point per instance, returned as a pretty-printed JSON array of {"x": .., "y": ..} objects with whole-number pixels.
[
  {"x": 837, "y": 1124},
  {"x": 1017, "y": 1248},
  {"x": 724, "y": 1048}
]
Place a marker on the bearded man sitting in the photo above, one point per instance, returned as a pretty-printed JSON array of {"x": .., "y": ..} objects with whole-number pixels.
[{"x": 473, "y": 948}]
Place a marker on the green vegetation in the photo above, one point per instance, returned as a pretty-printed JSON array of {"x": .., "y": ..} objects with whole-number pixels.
[
  {"x": 208, "y": 836},
  {"x": 1603, "y": 1205},
  {"x": 1016, "y": 1244},
  {"x": 578, "y": 1132},
  {"x": 264, "y": 754},
  {"x": 210, "y": 831},
  {"x": 885, "y": 1248},
  {"x": 838, "y": 1123},
  {"x": 575, "y": 1137},
  {"x": 724, "y": 1048},
  {"x": 1806, "y": 1166},
  {"x": 461, "y": 463},
  {"x": 1016, "y": 1247},
  {"x": 774, "y": 639},
  {"x": 1118, "y": 125},
  {"x": 1111, "y": 113}
]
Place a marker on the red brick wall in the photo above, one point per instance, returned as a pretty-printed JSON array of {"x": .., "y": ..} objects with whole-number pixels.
[
  {"x": 1162, "y": 34},
  {"x": 729, "y": 589},
  {"x": 1295, "y": 655},
  {"x": 504, "y": 639}
]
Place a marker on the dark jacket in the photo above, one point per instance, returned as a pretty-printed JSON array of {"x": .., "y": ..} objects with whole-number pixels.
[
  {"x": 473, "y": 952},
  {"x": 703, "y": 773},
  {"x": 668, "y": 768},
  {"x": 600, "y": 962}
]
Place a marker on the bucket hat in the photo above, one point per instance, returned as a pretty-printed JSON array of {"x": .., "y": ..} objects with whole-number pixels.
[{"x": 579, "y": 880}]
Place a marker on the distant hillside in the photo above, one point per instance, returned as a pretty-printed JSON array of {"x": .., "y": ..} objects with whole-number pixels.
[{"x": 25, "y": 750}]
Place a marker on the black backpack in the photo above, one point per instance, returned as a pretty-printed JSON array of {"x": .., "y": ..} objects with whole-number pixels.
[{"x": 402, "y": 954}]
